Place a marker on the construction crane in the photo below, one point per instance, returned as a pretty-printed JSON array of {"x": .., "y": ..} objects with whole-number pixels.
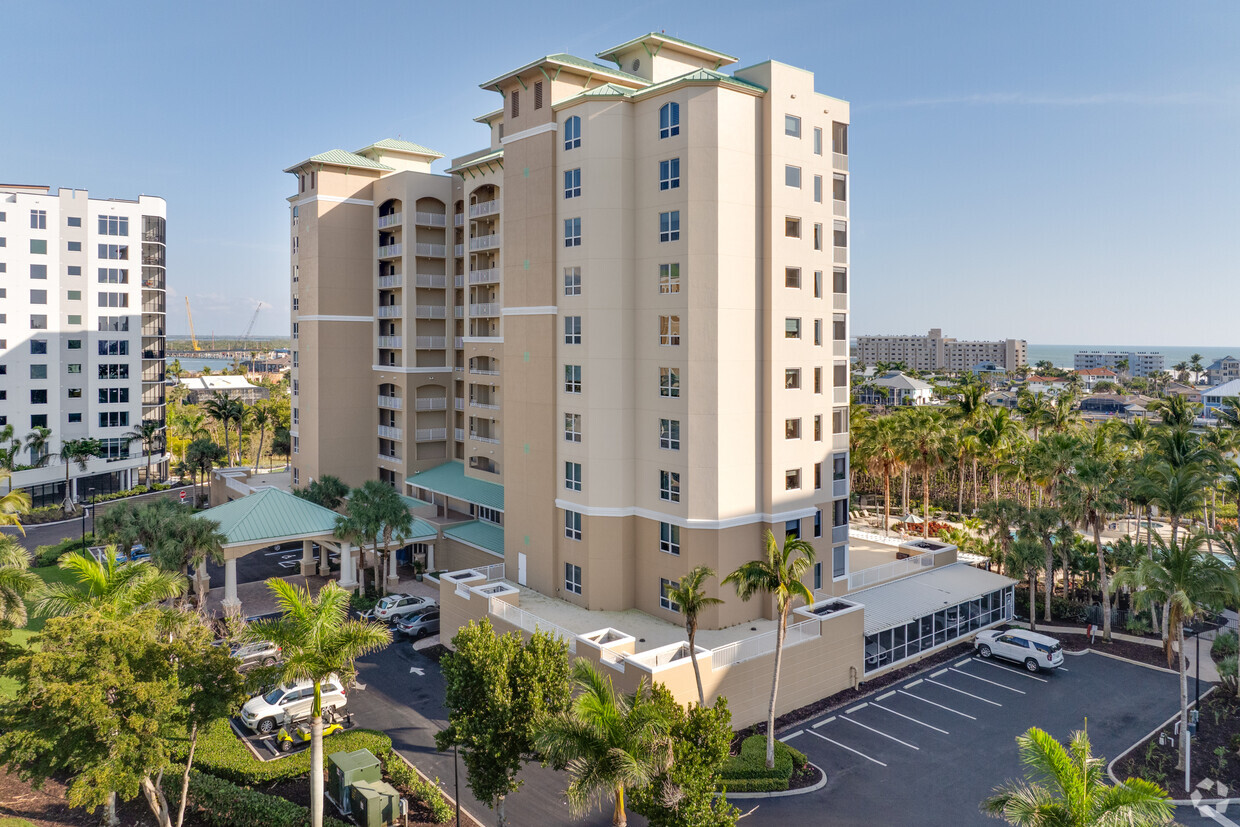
[
  {"x": 250, "y": 329},
  {"x": 193, "y": 340}
]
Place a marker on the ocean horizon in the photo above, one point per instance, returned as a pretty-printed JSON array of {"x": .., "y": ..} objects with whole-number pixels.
[{"x": 1061, "y": 355}]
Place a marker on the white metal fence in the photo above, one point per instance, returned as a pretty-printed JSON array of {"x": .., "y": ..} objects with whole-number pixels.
[
  {"x": 889, "y": 571},
  {"x": 524, "y": 620},
  {"x": 886, "y": 539},
  {"x": 758, "y": 645},
  {"x": 493, "y": 572}
]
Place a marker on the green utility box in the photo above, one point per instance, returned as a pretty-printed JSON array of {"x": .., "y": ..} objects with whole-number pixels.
[
  {"x": 346, "y": 769},
  {"x": 374, "y": 803}
]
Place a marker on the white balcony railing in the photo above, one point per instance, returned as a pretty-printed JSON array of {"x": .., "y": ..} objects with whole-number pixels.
[
  {"x": 459, "y": 312},
  {"x": 487, "y": 309},
  {"x": 839, "y": 161},
  {"x": 841, "y": 255},
  {"x": 431, "y": 311},
  {"x": 839, "y": 208},
  {"x": 484, "y": 208},
  {"x": 459, "y": 404},
  {"x": 389, "y": 251},
  {"x": 430, "y": 342},
  {"x": 460, "y": 342},
  {"x": 488, "y": 276},
  {"x": 389, "y": 459},
  {"x": 389, "y": 341},
  {"x": 392, "y": 403},
  {"x": 484, "y": 242},
  {"x": 433, "y": 404},
  {"x": 516, "y": 616},
  {"x": 460, "y": 434},
  {"x": 397, "y": 280},
  {"x": 458, "y": 220},
  {"x": 430, "y": 434},
  {"x": 430, "y": 219},
  {"x": 759, "y": 645},
  {"x": 458, "y": 250},
  {"x": 430, "y": 250},
  {"x": 459, "y": 280},
  {"x": 389, "y": 432},
  {"x": 390, "y": 311},
  {"x": 889, "y": 571},
  {"x": 489, "y": 406},
  {"x": 481, "y": 438},
  {"x": 392, "y": 220},
  {"x": 430, "y": 280},
  {"x": 484, "y": 372}
]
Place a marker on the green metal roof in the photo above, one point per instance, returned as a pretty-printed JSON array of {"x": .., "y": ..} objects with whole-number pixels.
[
  {"x": 707, "y": 76},
  {"x": 341, "y": 158},
  {"x": 479, "y": 534},
  {"x": 413, "y": 502},
  {"x": 475, "y": 161},
  {"x": 572, "y": 61},
  {"x": 402, "y": 146},
  {"x": 667, "y": 38},
  {"x": 269, "y": 514},
  {"x": 449, "y": 479},
  {"x": 422, "y": 531}
]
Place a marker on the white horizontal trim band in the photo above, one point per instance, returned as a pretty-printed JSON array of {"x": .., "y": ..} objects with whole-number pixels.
[
  {"x": 545, "y": 310},
  {"x": 526, "y": 133},
  {"x": 482, "y": 340},
  {"x": 335, "y": 318},
  {"x": 334, "y": 199},
  {"x": 683, "y": 522},
  {"x": 447, "y": 371}
]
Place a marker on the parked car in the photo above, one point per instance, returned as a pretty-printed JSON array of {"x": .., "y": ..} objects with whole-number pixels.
[
  {"x": 1035, "y": 651},
  {"x": 395, "y": 606},
  {"x": 419, "y": 624},
  {"x": 287, "y": 705},
  {"x": 260, "y": 653}
]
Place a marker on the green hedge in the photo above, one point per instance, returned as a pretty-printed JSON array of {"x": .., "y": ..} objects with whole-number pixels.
[
  {"x": 430, "y": 794},
  {"x": 748, "y": 772},
  {"x": 221, "y": 753},
  {"x": 223, "y": 804},
  {"x": 1224, "y": 645},
  {"x": 130, "y": 492},
  {"x": 50, "y": 555}
]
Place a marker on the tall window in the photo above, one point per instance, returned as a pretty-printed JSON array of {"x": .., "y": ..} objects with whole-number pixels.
[
  {"x": 839, "y": 561},
  {"x": 839, "y": 138},
  {"x": 841, "y": 280},
  {"x": 572, "y": 574},
  {"x": 817, "y": 576},
  {"x": 572, "y": 378},
  {"x": 669, "y": 486},
  {"x": 669, "y": 120},
  {"x": 669, "y": 434},
  {"x": 818, "y": 522},
  {"x": 572, "y": 281},
  {"x": 818, "y": 332},
  {"x": 572, "y": 427},
  {"x": 113, "y": 225},
  {"x": 839, "y": 323},
  {"x": 817, "y": 140},
  {"x": 792, "y": 126},
  {"x": 840, "y": 185},
  {"x": 669, "y": 174},
  {"x": 516, "y": 103},
  {"x": 818, "y": 427},
  {"x": 841, "y": 234},
  {"x": 665, "y": 600},
  {"x": 669, "y": 383},
  {"x": 817, "y": 236},
  {"x": 669, "y": 278},
  {"x": 572, "y": 330},
  {"x": 669, "y": 226},
  {"x": 538, "y": 94},
  {"x": 669, "y": 330},
  {"x": 818, "y": 189},
  {"x": 38, "y": 219},
  {"x": 572, "y": 132},
  {"x": 669, "y": 538},
  {"x": 572, "y": 232},
  {"x": 792, "y": 176},
  {"x": 572, "y": 183},
  {"x": 572, "y": 530},
  {"x": 572, "y": 476}
]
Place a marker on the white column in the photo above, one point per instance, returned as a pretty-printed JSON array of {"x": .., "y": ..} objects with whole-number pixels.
[
  {"x": 348, "y": 579},
  {"x": 325, "y": 566},
  {"x": 202, "y": 580},
  {"x": 307, "y": 557},
  {"x": 391, "y": 577},
  {"x": 430, "y": 557},
  {"x": 232, "y": 605}
]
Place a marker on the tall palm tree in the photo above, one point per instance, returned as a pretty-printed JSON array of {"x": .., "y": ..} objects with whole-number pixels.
[
  {"x": 1194, "y": 362},
  {"x": 1186, "y": 581},
  {"x": 17, "y": 583},
  {"x": 223, "y": 410},
  {"x": 928, "y": 441},
  {"x": 1067, "y": 788},
  {"x": 998, "y": 433},
  {"x": 103, "y": 585},
  {"x": 1000, "y": 518},
  {"x": 1175, "y": 410},
  {"x": 146, "y": 433},
  {"x": 201, "y": 456},
  {"x": 318, "y": 641},
  {"x": 77, "y": 452},
  {"x": 13, "y": 504},
  {"x": 1024, "y": 560},
  {"x": 260, "y": 415},
  {"x": 1177, "y": 491},
  {"x": 1035, "y": 409},
  {"x": 883, "y": 457},
  {"x": 778, "y": 574},
  {"x": 1042, "y": 525},
  {"x": 692, "y": 599},
  {"x": 37, "y": 442},
  {"x": 609, "y": 741},
  {"x": 1091, "y": 499},
  {"x": 967, "y": 407},
  {"x": 1181, "y": 371},
  {"x": 8, "y": 456}
]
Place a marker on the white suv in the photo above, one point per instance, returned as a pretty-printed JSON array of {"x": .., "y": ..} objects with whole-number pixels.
[
  {"x": 395, "y": 606},
  {"x": 288, "y": 704},
  {"x": 1035, "y": 651}
]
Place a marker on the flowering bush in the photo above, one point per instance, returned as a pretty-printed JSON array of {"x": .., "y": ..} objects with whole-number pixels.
[{"x": 937, "y": 529}]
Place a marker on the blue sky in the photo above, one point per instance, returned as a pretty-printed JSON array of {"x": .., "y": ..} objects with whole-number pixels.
[{"x": 1063, "y": 172}]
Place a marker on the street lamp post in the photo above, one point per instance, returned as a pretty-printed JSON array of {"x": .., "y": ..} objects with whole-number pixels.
[{"x": 456, "y": 781}]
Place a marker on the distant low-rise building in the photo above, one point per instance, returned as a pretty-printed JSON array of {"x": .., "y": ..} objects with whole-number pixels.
[
  {"x": 1049, "y": 385},
  {"x": 1092, "y": 376},
  {"x": 202, "y": 388},
  {"x": 895, "y": 388},
  {"x": 1115, "y": 404},
  {"x": 1224, "y": 370},
  {"x": 934, "y": 351},
  {"x": 1190, "y": 393},
  {"x": 1216, "y": 397},
  {"x": 1139, "y": 363}
]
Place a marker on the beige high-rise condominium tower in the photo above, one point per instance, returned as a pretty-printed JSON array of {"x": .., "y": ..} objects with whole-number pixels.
[{"x": 614, "y": 342}]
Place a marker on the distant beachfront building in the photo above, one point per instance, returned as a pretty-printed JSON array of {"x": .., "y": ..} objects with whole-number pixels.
[
  {"x": 202, "y": 388},
  {"x": 1140, "y": 363},
  {"x": 1217, "y": 396},
  {"x": 1092, "y": 376},
  {"x": 937, "y": 352},
  {"x": 895, "y": 389},
  {"x": 1223, "y": 370}
]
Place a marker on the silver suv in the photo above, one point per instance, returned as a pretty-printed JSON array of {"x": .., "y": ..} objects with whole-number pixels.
[{"x": 286, "y": 705}]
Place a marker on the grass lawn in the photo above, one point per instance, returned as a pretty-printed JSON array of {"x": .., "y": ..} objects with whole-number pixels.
[{"x": 34, "y": 625}]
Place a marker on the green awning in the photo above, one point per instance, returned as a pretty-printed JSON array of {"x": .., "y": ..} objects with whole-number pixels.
[
  {"x": 481, "y": 535},
  {"x": 449, "y": 479},
  {"x": 270, "y": 514}
]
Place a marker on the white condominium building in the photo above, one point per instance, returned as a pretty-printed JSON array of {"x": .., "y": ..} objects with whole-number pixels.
[
  {"x": 1136, "y": 363},
  {"x": 81, "y": 333},
  {"x": 936, "y": 352}
]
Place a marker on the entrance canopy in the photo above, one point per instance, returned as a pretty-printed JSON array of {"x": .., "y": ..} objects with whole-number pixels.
[{"x": 270, "y": 516}]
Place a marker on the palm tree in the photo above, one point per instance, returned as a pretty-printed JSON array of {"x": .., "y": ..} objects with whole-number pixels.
[
  {"x": 223, "y": 410},
  {"x": 1185, "y": 581},
  {"x": 8, "y": 456},
  {"x": 201, "y": 456},
  {"x": 1000, "y": 517},
  {"x": 260, "y": 415},
  {"x": 318, "y": 641},
  {"x": 16, "y": 583},
  {"x": 690, "y": 597},
  {"x": 1175, "y": 410},
  {"x": 997, "y": 432},
  {"x": 1042, "y": 525},
  {"x": 1181, "y": 371},
  {"x": 377, "y": 506},
  {"x": 778, "y": 574},
  {"x": 1024, "y": 560},
  {"x": 146, "y": 434},
  {"x": 966, "y": 408},
  {"x": 77, "y": 452},
  {"x": 928, "y": 441},
  {"x": 1091, "y": 500},
  {"x": 883, "y": 457},
  {"x": 13, "y": 504},
  {"x": 1194, "y": 362},
  {"x": 1035, "y": 409},
  {"x": 37, "y": 442},
  {"x": 609, "y": 741},
  {"x": 1177, "y": 491},
  {"x": 1067, "y": 788},
  {"x": 103, "y": 585}
]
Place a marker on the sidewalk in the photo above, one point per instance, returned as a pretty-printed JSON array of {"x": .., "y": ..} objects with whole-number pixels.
[{"x": 1209, "y": 672}]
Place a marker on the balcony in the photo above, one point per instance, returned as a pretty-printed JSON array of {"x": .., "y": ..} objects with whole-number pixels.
[
  {"x": 479, "y": 438},
  {"x": 389, "y": 432},
  {"x": 389, "y": 251},
  {"x": 839, "y": 161},
  {"x": 460, "y": 434},
  {"x": 841, "y": 255},
  {"x": 488, "y": 309},
  {"x": 458, "y": 220},
  {"x": 483, "y": 372},
  {"x": 388, "y": 459},
  {"x": 485, "y": 208},
  {"x": 392, "y": 220},
  {"x": 391, "y": 403},
  {"x": 488, "y": 276},
  {"x": 459, "y": 342},
  {"x": 459, "y": 312},
  {"x": 486, "y": 406},
  {"x": 390, "y": 311},
  {"x": 431, "y": 311},
  {"x": 390, "y": 341},
  {"x": 433, "y": 404},
  {"x": 430, "y": 434},
  {"x": 430, "y": 250},
  {"x": 458, "y": 250},
  {"x": 431, "y": 343},
  {"x": 432, "y": 280},
  {"x": 484, "y": 242},
  {"x": 840, "y": 208},
  {"x": 397, "y": 280},
  {"x": 460, "y": 404},
  {"x": 459, "y": 280},
  {"x": 430, "y": 219}
]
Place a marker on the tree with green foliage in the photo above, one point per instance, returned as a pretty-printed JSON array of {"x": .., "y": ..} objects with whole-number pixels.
[
  {"x": 38, "y": 442},
  {"x": 1024, "y": 560},
  {"x": 77, "y": 452},
  {"x": 146, "y": 432},
  {"x": 318, "y": 640},
  {"x": 610, "y": 742},
  {"x": 17, "y": 583},
  {"x": 13, "y": 504},
  {"x": 379, "y": 507},
  {"x": 1066, "y": 787},
  {"x": 224, "y": 410},
  {"x": 778, "y": 574},
  {"x": 327, "y": 491},
  {"x": 684, "y": 795},
  {"x": 104, "y": 586},
  {"x": 260, "y": 415},
  {"x": 1090, "y": 499},
  {"x": 691, "y": 599},
  {"x": 201, "y": 456},
  {"x": 498, "y": 690}
]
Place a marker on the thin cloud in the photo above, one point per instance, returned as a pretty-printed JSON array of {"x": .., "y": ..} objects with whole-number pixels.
[{"x": 1028, "y": 99}]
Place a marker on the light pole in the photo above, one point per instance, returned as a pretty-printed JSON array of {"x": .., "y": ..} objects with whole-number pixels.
[{"x": 456, "y": 781}]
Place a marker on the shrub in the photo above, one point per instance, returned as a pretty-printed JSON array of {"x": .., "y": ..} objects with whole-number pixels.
[
  {"x": 1137, "y": 625},
  {"x": 1227, "y": 672},
  {"x": 1225, "y": 644},
  {"x": 220, "y": 803},
  {"x": 50, "y": 555},
  {"x": 222, "y": 754},
  {"x": 130, "y": 492},
  {"x": 406, "y": 776},
  {"x": 748, "y": 772},
  {"x": 364, "y": 602}
]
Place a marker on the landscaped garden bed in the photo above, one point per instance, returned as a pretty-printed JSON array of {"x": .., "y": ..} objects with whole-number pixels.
[
  {"x": 1215, "y": 750},
  {"x": 746, "y": 772}
]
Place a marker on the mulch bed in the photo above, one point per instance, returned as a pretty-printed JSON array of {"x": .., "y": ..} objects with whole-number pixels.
[
  {"x": 807, "y": 777},
  {"x": 436, "y": 652},
  {"x": 1215, "y": 752},
  {"x": 1127, "y": 649},
  {"x": 46, "y": 807}
]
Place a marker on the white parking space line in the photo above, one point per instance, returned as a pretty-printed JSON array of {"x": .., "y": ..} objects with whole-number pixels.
[
  {"x": 1211, "y": 813},
  {"x": 824, "y": 722},
  {"x": 911, "y": 685},
  {"x": 850, "y": 749},
  {"x": 984, "y": 680},
  {"x": 1011, "y": 671},
  {"x": 880, "y": 732},
  {"x": 936, "y": 674},
  {"x": 963, "y": 662},
  {"x": 855, "y": 708},
  {"x": 908, "y": 718},
  {"x": 885, "y": 697},
  {"x": 939, "y": 705},
  {"x": 970, "y": 694},
  {"x": 788, "y": 738}
]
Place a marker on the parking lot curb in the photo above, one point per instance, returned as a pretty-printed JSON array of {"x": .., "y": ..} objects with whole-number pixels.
[
  {"x": 822, "y": 782},
  {"x": 1111, "y": 766},
  {"x": 427, "y": 779},
  {"x": 1127, "y": 660}
]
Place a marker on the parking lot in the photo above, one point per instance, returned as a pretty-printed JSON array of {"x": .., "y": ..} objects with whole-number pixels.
[{"x": 926, "y": 751}]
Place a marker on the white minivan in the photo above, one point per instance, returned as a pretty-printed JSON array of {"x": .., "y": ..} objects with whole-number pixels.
[
  {"x": 289, "y": 704},
  {"x": 1033, "y": 650}
]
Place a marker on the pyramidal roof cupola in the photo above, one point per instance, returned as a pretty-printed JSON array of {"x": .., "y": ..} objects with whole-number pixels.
[{"x": 657, "y": 57}]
